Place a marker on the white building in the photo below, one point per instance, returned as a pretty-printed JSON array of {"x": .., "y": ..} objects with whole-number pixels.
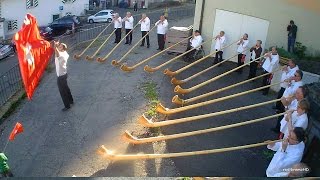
[{"x": 14, "y": 11}]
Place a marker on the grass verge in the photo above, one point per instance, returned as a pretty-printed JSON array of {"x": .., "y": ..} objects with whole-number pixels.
[{"x": 13, "y": 105}]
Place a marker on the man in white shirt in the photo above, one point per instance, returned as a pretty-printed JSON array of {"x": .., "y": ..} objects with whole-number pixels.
[
  {"x": 295, "y": 83},
  {"x": 287, "y": 75},
  {"x": 220, "y": 41},
  {"x": 269, "y": 65},
  {"x": 128, "y": 25},
  {"x": 61, "y": 59},
  {"x": 145, "y": 28},
  {"x": 118, "y": 26},
  {"x": 162, "y": 27},
  {"x": 288, "y": 153},
  {"x": 242, "y": 47},
  {"x": 195, "y": 43}
]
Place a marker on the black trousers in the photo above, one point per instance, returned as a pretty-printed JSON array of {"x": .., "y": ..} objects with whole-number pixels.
[
  {"x": 118, "y": 35},
  {"x": 135, "y": 8},
  {"x": 161, "y": 41},
  {"x": 189, "y": 55},
  {"x": 218, "y": 57},
  {"x": 129, "y": 37},
  {"x": 65, "y": 90},
  {"x": 240, "y": 62},
  {"x": 146, "y": 38},
  {"x": 253, "y": 69},
  {"x": 266, "y": 81}
]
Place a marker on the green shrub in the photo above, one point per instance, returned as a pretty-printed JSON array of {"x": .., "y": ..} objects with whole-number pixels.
[{"x": 300, "y": 50}]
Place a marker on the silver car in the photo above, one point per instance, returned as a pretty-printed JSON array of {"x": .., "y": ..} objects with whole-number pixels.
[{"x": 5, "y": 50}]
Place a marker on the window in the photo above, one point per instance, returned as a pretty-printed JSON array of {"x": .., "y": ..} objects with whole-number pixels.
[
  {"x": 12, "y": 25},
  {"x": 31, "y": 3},
  {"x": 68, "y": 1}
]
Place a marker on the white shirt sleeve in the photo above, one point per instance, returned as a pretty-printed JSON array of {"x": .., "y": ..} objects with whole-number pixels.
[
  {"x": 245, "y": 44},
  {"x": 276, "y": 146}
]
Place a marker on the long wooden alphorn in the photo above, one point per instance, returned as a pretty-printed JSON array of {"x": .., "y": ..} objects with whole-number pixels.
[
  {"x": 149, "y": 123},
  {"x": 90, "y": 58},
  {"x": 126, "y": 68},
  {"x": 78, "y": 56},
  {"x": 116, "y": 157},
  {"x": 128, "y": 137},
  {"x": 117, "y": 63},
  {"x": 173, "y": 73},
  {"x": 180, "y": 90},
  {"x": 161, "y": 109},
  {"x": 150, "y": 69},
  {"x": 99, "y": 59},
  {"x": 179, "y": 82},
  {"x": 177, "y": 100}
]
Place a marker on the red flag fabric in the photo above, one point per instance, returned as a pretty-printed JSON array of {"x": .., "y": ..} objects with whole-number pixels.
[
  {"x": 34, "y": 54},
  {"x": 18, "y": 128}
]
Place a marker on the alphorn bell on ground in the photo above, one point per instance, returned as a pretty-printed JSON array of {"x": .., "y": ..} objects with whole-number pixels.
[
  {"x": 180, "y": 90},
  {"x": 179, "y": 82},
  {"x": 117, "y": 157},
  {"x": 177, "y": 100},
  {"x": 151, "y": 70},
  {"x": 161, "y": 109},
  {"x": 171, "y": 73},
  {"x": 126, "y": 68},
  {"x": 78, "y": 56},
  {"x": 90, "y": 58},
  {"x": 117, "y": 63},
  {"x": 149, "y": 123},
  {"x": 128, "y": 137},
  {"x": 116, "y": 46}
]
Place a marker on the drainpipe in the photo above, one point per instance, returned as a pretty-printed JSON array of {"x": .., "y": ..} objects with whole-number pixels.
[{"x": 201, "y": 17}]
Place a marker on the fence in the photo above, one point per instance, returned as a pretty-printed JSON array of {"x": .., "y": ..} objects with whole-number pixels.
[{"x": 10, "y": 83}]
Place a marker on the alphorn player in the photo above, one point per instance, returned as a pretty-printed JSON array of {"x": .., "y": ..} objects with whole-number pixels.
[
  {"x": 195, "y": 44},
  {"x": 128, "y": 25},
  {"x": 162, "y": 27},
  {"x": 271, "y": 61},
  {"x": 118, "y": 26},
  {"x": 286, "y": 77},
  {"x": 242, "y": 46},
  {"x": 255, "y": 53},
  {"x": 220, "y": 41},
  {"x": 288, "y": 153},
  {"x": 145, "y": 28},
  {"x": 295, "y": 118}
]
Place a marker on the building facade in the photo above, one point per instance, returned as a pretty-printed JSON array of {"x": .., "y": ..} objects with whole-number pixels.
[{"x": 14, "y": 11}]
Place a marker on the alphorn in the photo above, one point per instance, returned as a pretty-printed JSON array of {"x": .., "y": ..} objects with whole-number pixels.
[
  {"x": 128, "y": 137},
  {"x": 90, "y": 58},
  {"x": 161, "y": 109},
  {"x": 126, "y": 68},
  {"x": 177, "y": 100},
  {"x": 117, "y": 63},
  {"x": 149, "y": 123},
  {"x": 99, "y": 59},
  {"x": 78, "y": 56},
  {"x": 150, "y": 69},
  {"x": 173, "y": 73},
  {"x": 179, "y": 82},
  {"x": 180, "y": 90},
  {"x": 116, "y": 157}
]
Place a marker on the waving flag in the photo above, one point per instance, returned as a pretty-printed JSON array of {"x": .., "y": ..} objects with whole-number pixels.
[
  {"x": 34, "y": 54},
  {"x": 18, "y": 128}
]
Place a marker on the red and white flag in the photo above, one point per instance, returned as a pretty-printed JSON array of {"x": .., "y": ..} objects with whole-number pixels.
[
  {"x": 18, "y": 128},
  {"x": 34, "y": 54}
]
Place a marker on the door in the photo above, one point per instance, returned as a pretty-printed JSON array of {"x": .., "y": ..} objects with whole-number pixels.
[{"x": 235, "y": 25}]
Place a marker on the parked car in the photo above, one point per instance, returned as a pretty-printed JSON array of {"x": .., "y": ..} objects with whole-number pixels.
[
  {"x": 60, "y": 26},
  {"x": 101, "y": 16},
  {"x": 5, "y": 50}
]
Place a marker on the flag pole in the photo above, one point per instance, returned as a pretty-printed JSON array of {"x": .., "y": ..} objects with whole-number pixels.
[{"x": 5, "y": 146}]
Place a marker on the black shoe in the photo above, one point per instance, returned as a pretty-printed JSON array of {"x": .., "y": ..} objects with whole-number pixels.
[
  {"x": 275, "y": 130},
  {"x": 126, "y": 43},
  {"x": 72, "y": 103},
  {"x": 142, "y": 45},
  {"x": 66, "y": 109},
  {"x": 148, "y": 46}
]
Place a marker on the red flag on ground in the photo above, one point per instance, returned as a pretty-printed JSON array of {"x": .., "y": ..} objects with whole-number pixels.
[
  {"x": 34, "y": 54},
  {"x": 18, "y": 128}
]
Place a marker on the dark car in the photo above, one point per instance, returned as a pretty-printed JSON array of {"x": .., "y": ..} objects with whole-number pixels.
[{"x": 60, "y": 26}]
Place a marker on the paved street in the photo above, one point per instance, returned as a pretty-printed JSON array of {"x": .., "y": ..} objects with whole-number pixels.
[
  {"x": 7, "y": 63},
  {"x": 109, "y": 101}
]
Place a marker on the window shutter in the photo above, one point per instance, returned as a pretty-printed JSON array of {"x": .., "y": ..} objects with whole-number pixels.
[
  {"x": 28, "y": 3},
  {"x": 36, "y": 3},
  {"x": 14, "y": 24},
  {"x": 63, "y": 1},
  {"x": 73, "y": 1}
]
